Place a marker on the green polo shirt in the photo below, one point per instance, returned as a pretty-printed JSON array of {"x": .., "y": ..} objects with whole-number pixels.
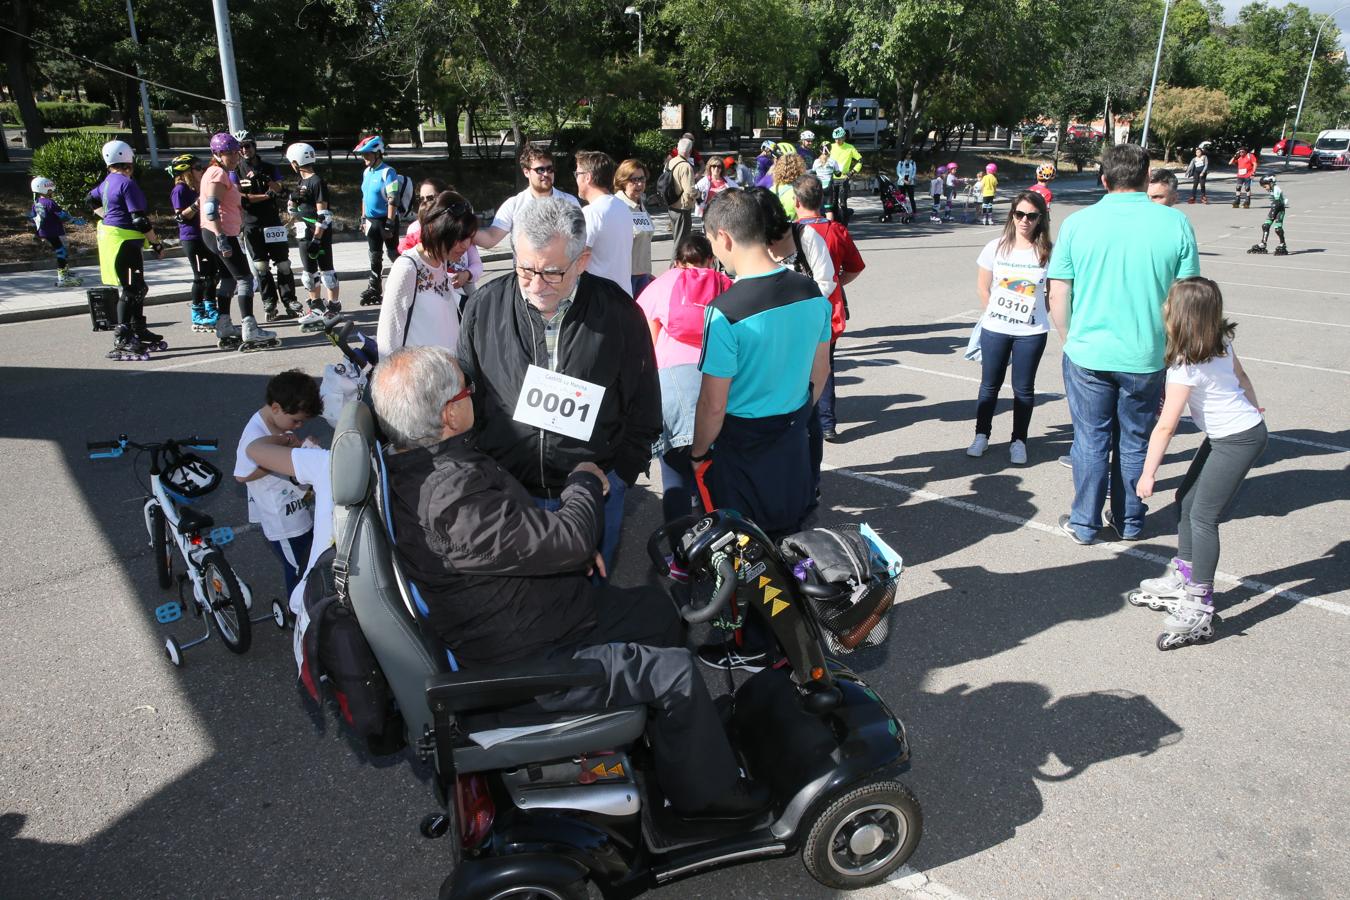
[{"x": 1122, "y": 255}]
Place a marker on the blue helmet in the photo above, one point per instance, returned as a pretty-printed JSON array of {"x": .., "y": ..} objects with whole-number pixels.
[{"x": 372, "y": 144}]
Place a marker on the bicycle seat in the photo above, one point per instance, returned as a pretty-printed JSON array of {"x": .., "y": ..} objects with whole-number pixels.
[{"x": 192, "y": 522}]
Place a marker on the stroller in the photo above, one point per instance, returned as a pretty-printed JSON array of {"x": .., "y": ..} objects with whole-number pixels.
[
  {"x": 893, "y": 200},
  {"x": 346, "y": 381}
]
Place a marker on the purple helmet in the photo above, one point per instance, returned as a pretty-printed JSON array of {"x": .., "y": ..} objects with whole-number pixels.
[{"x": 224, "y": 142}]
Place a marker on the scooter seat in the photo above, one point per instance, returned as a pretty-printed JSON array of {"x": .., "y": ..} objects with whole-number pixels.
[
  {"x": 569, "y": 734},
  {"x": 192, "y": 522}
]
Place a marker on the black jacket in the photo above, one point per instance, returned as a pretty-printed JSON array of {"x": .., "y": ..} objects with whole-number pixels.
[
  {"x": 604, "y": 340},
  {"x": 502, "y": 579}
]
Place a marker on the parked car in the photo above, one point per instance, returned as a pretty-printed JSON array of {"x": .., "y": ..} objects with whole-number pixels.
[
  {"x": 1084, "y": 132},
  {"x": 1331, "y": 150},
  {"x": 1301, "y": 148}
]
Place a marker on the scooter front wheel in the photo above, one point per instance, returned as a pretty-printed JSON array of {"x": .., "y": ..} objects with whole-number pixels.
[{"x": 863, "y": 837}]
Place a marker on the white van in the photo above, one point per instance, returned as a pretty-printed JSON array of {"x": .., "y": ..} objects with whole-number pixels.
[
  {"x": 864, "y": 119},
  {"x": 1332, "y": 150}
]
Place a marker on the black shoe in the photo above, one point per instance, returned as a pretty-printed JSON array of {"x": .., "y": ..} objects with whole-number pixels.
[
  {"x": 728, "y": 656},
  {"x": 746, "y": 799},
  {"x": 1111, "y": 523},
  {"x": 832, "y": 436}
]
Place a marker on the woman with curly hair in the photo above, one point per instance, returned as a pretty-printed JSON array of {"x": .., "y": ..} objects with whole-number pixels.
[{"x": 786, "y": 170}]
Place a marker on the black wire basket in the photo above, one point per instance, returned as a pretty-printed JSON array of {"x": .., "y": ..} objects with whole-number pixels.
[{"x": 858, "y": 614}]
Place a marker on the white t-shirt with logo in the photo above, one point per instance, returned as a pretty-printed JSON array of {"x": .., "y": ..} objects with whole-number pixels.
[
  {"x": 1016, "y": 292},
  {"x": 1218, "y": 405},
  {"x": 609, "y": 234},
  {"x": 282, "y": 509},
  {"x": 505, "y": 219},
  {"x": 312, "y": 469}
]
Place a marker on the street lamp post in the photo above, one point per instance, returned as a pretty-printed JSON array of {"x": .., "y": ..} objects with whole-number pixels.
[
  {"x": 145, "y": 93},
  {"x": 634, "y": 11},
  {"x": 1289, "y": 146},
  {"x": 234, "y": 104},
  {"x": 1157, "y": 59}
]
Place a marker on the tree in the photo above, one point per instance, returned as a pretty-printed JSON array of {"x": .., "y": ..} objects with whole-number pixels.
[
  {"x": 18, "y": 60},
  {"x": 1181, "y": 114}
]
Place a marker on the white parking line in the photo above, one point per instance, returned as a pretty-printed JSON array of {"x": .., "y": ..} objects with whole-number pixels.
[
  {"x": 1233, "y": 312},
  {"x": 1118, "y": 549},
  {"x": 1276, "y": 362},
  {"x": 918, "y": 886},
  {"x": 1281, "y": 288},
  {"x": 1233, "y": 262}
]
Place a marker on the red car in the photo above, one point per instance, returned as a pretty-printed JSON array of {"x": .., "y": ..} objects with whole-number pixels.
[
  {"x": 1084, "y": 132},
  {"x": 1301, "y": 148}
]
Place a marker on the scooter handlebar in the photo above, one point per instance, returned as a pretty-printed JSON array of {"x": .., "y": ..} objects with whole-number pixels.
[{"x": 726, "y": 573}]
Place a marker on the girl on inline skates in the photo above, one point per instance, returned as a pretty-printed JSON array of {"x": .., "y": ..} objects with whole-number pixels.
[
  {"x": 50, "y": 221},
  {"x": 1204, "y": 374},
  {"x": 123, "y": 229},
  {"x": 312, "y": 220},
  {"x": 187, "y": 177}
]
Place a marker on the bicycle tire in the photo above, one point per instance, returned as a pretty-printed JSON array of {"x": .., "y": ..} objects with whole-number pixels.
[
  {"x": 159, "y": 547},
  {"x": 226, "y": 600}
]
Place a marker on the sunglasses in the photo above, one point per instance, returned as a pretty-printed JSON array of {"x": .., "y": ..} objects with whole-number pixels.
[
  {"x": 426, "y": 198},
  {"x": 542, "y": 170},
  {"x": 1029, "y": 216},
  {"x": 467, "y": 392}
]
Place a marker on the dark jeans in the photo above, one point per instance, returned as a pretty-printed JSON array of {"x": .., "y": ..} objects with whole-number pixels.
[
  {"x": 1112, "y": 413},
  {"x": 1207, "y": 492},
  {"x": 381, "y": 240},
  {"x": 299, "y": 547},
  {"x": 678, "y": 490},
  {"x": 609, "y": 538},
  {"x": 1198, "y": 184},
  {"x": 639, "y": 639},
  {"x": 996, "y": 349},
  {"x": 825, "y": 407}
]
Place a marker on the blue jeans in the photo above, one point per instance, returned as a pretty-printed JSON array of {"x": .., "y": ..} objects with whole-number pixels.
[
  {"x": 677, "y": 484},
  {"x": 996, "y": 349},
  {"x": 825, "y": 406},
  {"x": 609, "y": 536},
  {"x": 299, "y": 547},
  {"x": 1112, "y": 414}
]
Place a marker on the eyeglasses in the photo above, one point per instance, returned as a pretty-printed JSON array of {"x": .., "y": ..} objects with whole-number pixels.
[
  {"x": 638, "y": 179},
  {"x": 467, "y": 392},
  {"x": 1029, "y": 216},
  {"x": 542, "y": 170},
  {"x": 579, "y": 173},
  {"x": 548, "y": 276}
]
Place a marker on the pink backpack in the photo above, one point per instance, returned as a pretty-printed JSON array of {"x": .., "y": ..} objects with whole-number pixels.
[{"x": 693, "y": 290}]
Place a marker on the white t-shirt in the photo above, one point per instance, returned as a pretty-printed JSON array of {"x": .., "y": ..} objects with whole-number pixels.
[
  {"x": 609, "y": 234},
  {"x": 281, "y": 508},
  {"x": 817, "y": 254},
  {"x": 1016, "y": 293},
  {"x": 1218, "y": 405},
  {"x": 505, "y": 219},
  {"x": 643, "y": 230},
  {"x": 420, "y": 307},
  {"x": 312, "y": 468}
]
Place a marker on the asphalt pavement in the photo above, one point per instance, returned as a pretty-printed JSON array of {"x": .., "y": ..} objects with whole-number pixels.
[{"x": 1057, "y": 753}]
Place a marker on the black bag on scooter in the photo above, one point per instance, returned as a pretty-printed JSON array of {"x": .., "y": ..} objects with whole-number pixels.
[
  {"x": 336, "y": 650},
  {"x": 857, "y": 614}
]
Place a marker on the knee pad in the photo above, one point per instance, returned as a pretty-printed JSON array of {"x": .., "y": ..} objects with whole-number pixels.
[
  {"x": 243, "y": 290},
  {"x": 330, "y": 280},
  {"x": 1265, "y": 230},
  {"x": 284, "y": 269},
  {"x": 260, "y": 265},
  {"x": 307, "y": 279}
]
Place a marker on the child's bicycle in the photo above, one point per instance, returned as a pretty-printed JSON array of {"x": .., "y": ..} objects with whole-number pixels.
[
  {"x": 970, "y": 200},
  {"x": 176, "y": 479}
]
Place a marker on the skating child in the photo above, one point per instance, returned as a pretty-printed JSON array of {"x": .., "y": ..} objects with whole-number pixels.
[
  {"x": 277, "y": 504},
  {"x": 50, "y": 221},
  {"x": 123, "y": 229},
  {"x": 988, "y": 190},
  {"x": 935, "y": 189},
  {"x": 183, "y": 197},
  {"x": 313, "y": 220},
  {"x": 1204, "y": 374},
  {"x": 1274, "y": 216},
  {"x": 1045, "y": 174},
  {"x": 949, "y": 187}
]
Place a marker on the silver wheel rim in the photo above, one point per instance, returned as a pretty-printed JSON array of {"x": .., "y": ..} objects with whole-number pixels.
[
  {"x": 868, "y": 840},
  {"x": 222, "y": 605},
  {"x": 529, "y": 893},
  {"x": 278, "y": 615}
]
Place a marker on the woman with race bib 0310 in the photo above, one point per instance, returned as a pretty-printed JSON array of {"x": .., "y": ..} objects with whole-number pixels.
[{"x": 1015, "y": 324}]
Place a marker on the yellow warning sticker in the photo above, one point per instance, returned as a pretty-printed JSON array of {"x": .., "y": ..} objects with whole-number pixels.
[
  {"x": 771, "y": 595},
  {"x": 616, "y": 769},
  {"x": 599, "y": 770},
  {"x": 778, "y": 606},
  {"x": 763, "y": 581}
]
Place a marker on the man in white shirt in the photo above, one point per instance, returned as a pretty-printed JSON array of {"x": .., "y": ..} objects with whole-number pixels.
[
  {"x": 537, "y": 166},
  {"x": 609, "y": 224}
]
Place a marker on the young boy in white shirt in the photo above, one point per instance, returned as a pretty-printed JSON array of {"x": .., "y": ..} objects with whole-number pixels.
[{"x": 282, "y": 508}]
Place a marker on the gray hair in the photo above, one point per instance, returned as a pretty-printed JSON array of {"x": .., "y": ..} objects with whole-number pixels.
[
  {"x": 684, "y": 146},
  {"x": 540, "y": 222},
  {"x": 410, "y": 388}
]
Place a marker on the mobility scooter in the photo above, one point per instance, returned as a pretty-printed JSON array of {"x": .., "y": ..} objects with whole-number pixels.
[{"x": 551, "y": 805}]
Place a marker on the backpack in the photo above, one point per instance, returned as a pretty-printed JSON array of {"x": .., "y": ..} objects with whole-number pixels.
[
  {"x": 667, "y": 188},
  {"x": 799, "y": 261},
  {"x": 404, "y": 202},
  {"x": 694, "y": 289},
  {"x": 336, "y": 649}
]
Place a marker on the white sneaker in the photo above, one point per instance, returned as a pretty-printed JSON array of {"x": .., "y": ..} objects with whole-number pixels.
[
  {"x": 1017, "y": 453},
  {"x": 978, "y": 446}
]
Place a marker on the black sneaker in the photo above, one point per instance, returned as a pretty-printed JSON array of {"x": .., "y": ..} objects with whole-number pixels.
[
  {"x": 722, "y": 656},
  {"x": 1111, "y": 523},
  {"x": 1065, "y": 527},
  {"x": 832, "y": 436}
]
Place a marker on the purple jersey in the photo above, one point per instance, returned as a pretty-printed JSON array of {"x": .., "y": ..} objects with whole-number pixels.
[
  {"x": 48, "y": 215},
  {"x": 182, "y": 197},
  {"x": 120, "y": 197}
]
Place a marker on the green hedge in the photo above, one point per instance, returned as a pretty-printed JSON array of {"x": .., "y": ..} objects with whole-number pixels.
[
  {"x": 75, "y": 163},
  {"x": 61, "y": 115}
]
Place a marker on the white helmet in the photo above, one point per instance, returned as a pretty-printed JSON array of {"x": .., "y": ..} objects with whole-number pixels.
[
  {"x": 42, "y": 185},
  {"x": 301, "y": 154},
  {"x": 808, "y": 135},
  {"x": 243, "y": 136},
  {"x": 115, "y": 152}
]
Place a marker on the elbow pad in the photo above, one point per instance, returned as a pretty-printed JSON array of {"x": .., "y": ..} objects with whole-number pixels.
[
  {"x": 325, "y": 218},
  {"x": 140, "y": 222},
  {"x": 211, "y": 207}
]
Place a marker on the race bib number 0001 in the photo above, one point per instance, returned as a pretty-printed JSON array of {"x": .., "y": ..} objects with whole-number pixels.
[
  {"x": 1012, "y": 305},
  {"x": 274, "y": 234},
  {"x": 559, "y": 403}
]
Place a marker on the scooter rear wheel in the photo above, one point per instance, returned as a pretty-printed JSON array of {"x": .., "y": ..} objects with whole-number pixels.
[{"x": 864, "y": 836}]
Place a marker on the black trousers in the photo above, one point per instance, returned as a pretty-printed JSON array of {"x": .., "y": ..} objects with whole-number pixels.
[
  {"x": 639, "y": 639},
  {"x": 381, "y": 240},
  {"x": 130, "y": 266}
]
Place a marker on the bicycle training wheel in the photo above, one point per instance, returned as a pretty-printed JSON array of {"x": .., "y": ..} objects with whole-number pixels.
[{"x": 226, "y": 600}]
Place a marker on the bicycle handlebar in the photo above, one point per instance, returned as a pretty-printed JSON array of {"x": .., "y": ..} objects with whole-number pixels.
[{"x": 114, "y": 449}]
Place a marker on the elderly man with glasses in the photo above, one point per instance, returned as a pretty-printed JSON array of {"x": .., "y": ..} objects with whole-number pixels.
[
  {"x": 563, "y": 364},
  {"x": 536, "y": 164}
]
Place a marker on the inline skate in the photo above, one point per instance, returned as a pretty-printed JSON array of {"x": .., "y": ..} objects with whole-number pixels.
[
  {"x": 1165, "y": 591},
  {"x": 147, "y": 337},
  {"x": 1258, "y": 248},
  {"x": 320, "y": 318},
  {"x": 228, "y": 334},
  {"x": 126, "y": 346},
  {"x": 254, "y": 338},
  {"x": 1192, "y": 620},
  {"x": 64, "y": 279},
  {"x": 204, "y": 316},
  {"x": 1282, "y": 250},
  {"x": 371, "y": 296}
]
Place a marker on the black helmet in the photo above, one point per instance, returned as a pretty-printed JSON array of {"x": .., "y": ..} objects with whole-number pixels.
[
  {"x": 190, "y": 476},
  {"x": 1266, "y": 181}
]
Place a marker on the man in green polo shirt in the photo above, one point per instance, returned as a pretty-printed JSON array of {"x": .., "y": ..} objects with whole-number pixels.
[{"x": 1112, "y": 267}]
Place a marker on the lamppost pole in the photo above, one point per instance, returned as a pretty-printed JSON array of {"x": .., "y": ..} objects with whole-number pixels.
[
  {"x": 1157, "y": 59},
  {"x": 634, "y": 11}
]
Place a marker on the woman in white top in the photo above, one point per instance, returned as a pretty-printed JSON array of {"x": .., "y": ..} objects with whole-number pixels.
[
  {"x": 713, "y": 182},
  {"x": 1203, "y": 373},
  {"x": 630, "y": 183},
  {"x": 421, "y": 304},
  {"x": 1011, "y": 285}
]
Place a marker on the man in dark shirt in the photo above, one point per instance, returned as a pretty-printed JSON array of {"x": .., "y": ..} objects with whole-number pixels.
[
  {"x": 265, "y": 238},
  {"x": 505, "y": 580}
]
